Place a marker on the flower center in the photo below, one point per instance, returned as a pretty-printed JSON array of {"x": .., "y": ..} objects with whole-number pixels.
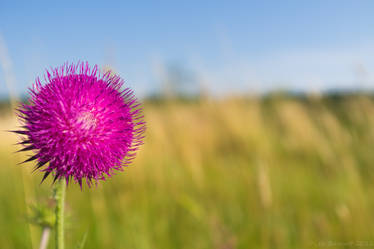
[{"x": 86, "y": 120}]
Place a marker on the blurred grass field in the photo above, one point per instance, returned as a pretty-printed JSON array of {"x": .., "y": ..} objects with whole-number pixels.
[{"x": 272, "y": 172}]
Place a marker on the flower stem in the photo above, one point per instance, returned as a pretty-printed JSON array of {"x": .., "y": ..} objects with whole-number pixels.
[{"x": 59, "y": 195}]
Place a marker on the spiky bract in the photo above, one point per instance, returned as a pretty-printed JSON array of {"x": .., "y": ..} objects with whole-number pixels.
[{"x": 81, "y": 124}]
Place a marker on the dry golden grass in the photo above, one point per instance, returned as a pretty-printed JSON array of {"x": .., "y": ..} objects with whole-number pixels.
[{"x": 236, "y": 173}]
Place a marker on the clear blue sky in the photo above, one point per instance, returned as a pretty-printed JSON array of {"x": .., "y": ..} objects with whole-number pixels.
[{"x": 231, "y": 46}]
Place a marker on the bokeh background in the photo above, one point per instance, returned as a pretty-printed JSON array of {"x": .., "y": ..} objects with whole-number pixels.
[{"x": 260, "y": 122}]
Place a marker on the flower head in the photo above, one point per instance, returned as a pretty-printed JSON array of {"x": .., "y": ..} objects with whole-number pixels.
[{"x": 81, "y": 123}]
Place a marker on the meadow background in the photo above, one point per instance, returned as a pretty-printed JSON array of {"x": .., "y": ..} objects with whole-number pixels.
[{"x": 280, "y": 171}]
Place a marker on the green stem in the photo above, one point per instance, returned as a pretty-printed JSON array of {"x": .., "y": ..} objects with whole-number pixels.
[{"x": 59, "y": 195}]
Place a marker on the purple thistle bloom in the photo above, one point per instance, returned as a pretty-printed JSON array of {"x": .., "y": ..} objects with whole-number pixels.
[{"x": 81, "y": 123}]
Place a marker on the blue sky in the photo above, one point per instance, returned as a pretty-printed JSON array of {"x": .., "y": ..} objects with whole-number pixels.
[{"x": 231, "y": 46}]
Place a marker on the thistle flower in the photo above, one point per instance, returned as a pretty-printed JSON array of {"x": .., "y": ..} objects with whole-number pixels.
[{"x": 81, "y": 123}]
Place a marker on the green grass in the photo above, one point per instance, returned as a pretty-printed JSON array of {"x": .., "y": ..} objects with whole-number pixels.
[{"x": 277, "y": 172}]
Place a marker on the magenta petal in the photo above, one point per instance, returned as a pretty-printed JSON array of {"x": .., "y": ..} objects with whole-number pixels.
[{"x": 82, "y": 123}]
